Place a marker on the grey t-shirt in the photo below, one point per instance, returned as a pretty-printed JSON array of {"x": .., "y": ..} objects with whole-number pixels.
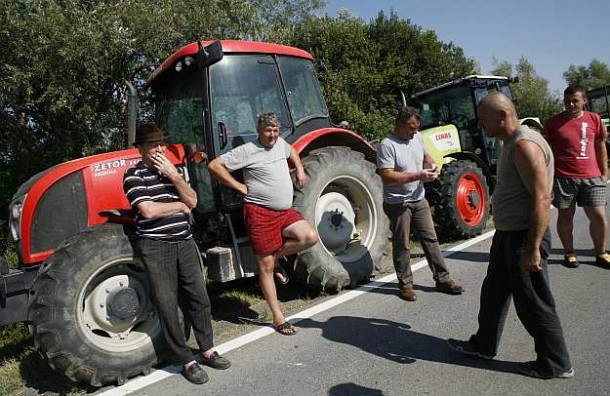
[
  {"x": 402, "y": 156},
  {"x": 266, "y": 172}
]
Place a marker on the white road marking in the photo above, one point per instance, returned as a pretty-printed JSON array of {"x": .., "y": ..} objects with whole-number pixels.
[{"x": 160, "y": 374}]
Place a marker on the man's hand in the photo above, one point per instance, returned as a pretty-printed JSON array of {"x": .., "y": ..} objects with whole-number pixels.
[
  {"x": 185, "y": 209},
  {"x": 429, "y": 175},
  {"x": 301, "y": 178},
  {"x": 242, "y": 189},
  {"x": 531, "y": 261},
  {"x": 164, "y": 167}
]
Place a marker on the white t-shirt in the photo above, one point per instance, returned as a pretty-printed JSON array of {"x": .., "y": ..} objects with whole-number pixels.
[
  {"x": 266, "y": 172},
  {"x": 402, "y": 156}
]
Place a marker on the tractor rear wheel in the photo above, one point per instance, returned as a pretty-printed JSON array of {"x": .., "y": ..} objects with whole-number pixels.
[
  {"x": 460, "y": 199},
  {"x": 342, "y": 199},
  {"x": 92, "y": 316}
]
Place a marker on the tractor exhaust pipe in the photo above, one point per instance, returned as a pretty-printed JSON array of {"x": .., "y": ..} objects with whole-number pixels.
[{"x": 132, "y": 113}]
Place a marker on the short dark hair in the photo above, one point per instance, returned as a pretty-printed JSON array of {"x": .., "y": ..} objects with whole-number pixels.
[
  {"x": 406, "y": 113},
  {"x": 572, "y": 89}
]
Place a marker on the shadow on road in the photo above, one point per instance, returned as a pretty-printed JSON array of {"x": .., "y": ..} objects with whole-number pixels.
[
  {"x": 351, "y": 389},
  {"x": 397, "y": 342},
  {"x": 467, "y": 256}
]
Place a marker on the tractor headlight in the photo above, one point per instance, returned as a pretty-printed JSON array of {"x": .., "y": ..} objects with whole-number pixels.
[{"x": 15, "y": 219}]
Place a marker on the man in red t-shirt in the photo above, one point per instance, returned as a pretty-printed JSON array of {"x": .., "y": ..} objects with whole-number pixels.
[{"x": 577, "y": 138}]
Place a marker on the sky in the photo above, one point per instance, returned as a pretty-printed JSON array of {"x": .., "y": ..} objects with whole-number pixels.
[{"x": 551, "y": 34}]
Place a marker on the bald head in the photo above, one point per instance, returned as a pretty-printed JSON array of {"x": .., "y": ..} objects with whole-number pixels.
[
  {"x": 497, "y": 115},
  {"x": 496, "y": 102}
]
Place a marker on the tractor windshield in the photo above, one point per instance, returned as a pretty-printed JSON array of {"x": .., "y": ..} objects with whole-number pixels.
[
  {"x": 302, "y": 90},
  {"x": 453, "y": 105},
  {"x": 178, "y": 104},
  {"x": 243, "y": 87},
  {"x": 599, "y": 101}
]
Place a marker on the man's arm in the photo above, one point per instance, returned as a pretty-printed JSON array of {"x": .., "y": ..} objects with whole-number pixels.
[
  {"x": 151, "y": 210},
  {"x": 601, "y": 152},
  {"x": 167, "y": 169},
  {"x": 429, "y": 163},
  {"x": 296, "y": 160},
  {"x": 428, "y": 174},
  {"x": 391, "y": 176},
  {"x": 136, "y": 192},
  {"x": 219, "y": 171},
  {"x": 531, "y": 165}
]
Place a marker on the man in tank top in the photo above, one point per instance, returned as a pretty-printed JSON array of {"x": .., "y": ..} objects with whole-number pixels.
[{"x": 521, "y": 245}]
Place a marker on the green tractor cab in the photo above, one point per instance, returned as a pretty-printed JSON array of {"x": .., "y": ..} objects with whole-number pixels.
[{"x": 599, "y": 102}]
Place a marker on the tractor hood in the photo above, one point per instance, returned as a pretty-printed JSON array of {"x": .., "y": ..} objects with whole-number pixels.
[{"x": 70, "y": 197}]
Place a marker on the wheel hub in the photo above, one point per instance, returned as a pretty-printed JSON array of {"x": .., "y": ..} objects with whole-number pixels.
[
  {"x": 123, "y": 303},
  {"x": 474, "y": 199},
  {"x": 335, "y": 220},
  {"x": 470, "y": 201},
  {"x": 115, "y": 305}
]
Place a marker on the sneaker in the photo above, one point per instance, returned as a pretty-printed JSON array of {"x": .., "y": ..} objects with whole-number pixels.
[
  {"x": 531, "y": 369},
  {"x": 449, "y": 286},
  {"x": 467, "y": 348},
  {"x": 603, "y": 260},
  {"x": 195, "y": 374},
  {"x": 216, "y": 361},
  {"x": 570, "y": 260},
  {"x": 407, "y": 292}
]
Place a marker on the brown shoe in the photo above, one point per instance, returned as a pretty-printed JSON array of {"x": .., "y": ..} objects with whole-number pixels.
[
  {"x": 407, "y": 293},
  {"x": 449, "y": 286}
]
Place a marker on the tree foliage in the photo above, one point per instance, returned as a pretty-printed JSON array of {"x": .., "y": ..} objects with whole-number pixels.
[
  {"x": 534, "y": 98},
  {"x": 364, "y": 66},
  {"x": 64, "y": 63},
  {"x": 595, "y": 75}
]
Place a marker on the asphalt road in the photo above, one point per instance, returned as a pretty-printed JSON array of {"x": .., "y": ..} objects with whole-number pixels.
[{"x": 377, "y": 344}]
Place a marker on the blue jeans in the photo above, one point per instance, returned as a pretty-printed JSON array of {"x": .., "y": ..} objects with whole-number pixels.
[
  {"x": 534, "y": 302},
  {"x": 414, "y": 216},
  {"x": 176, "y": 280}
]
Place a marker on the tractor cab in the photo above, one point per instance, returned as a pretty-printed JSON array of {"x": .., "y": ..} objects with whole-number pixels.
[
  {"x": 208, "y": 99},
  {"x": 599, "y": 102},
  {"x": 455, "y": 104},
  {"x": 449, "y": 127}
]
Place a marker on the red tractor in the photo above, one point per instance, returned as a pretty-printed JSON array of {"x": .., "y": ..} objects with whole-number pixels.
[{"x": 80, "y": 286}]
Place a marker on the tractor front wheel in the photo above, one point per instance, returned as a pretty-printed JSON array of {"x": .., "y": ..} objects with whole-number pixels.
[
  {"x": 91, "y": 311},
  {"x": 342, "y": 200},
  {"x": 460, "y": 199}
]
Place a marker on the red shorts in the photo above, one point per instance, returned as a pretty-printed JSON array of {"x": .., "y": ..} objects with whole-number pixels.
[{"x": 265, "y": 226}]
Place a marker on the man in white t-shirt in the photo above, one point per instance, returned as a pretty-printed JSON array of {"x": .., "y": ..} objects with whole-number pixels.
[
  {"x": 275, "y": 228},
  {"x": 404, "y": 166}
]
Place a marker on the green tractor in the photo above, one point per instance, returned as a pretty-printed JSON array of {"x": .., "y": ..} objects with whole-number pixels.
[
  {"x": 449, "y": 125},
  {"x": 599, "y": 102}
]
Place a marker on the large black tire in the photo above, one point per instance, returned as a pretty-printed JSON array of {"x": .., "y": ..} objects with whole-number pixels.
[
  {"x": 343, "y": 200},
  {"x": 91, "y": 312},
  {"x": 460, "y": 200}
]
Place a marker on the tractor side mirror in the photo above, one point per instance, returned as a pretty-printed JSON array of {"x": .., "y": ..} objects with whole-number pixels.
[{"x": 209, "y": 55}]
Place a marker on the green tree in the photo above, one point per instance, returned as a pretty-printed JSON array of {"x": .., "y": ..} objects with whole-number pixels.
[
  {"x": 363, "y": 66},
  {"x": 595, "y": 75},
  {"x": 534, "y": 98}
]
